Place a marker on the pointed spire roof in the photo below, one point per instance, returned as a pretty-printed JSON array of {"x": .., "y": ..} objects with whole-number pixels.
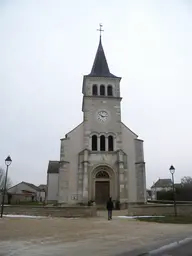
[{"x": 100, "y": 67}]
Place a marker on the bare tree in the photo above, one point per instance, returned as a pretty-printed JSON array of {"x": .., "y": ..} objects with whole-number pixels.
[
  {"x": 186, "y": 181},
  {"x": 2, "y": 179}
]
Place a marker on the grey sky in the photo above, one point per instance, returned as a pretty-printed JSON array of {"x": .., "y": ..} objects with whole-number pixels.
[{"x": 47, "y": 46}]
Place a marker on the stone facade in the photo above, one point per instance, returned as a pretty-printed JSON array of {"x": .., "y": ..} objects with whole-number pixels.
[{"x": 101, "y": 157}]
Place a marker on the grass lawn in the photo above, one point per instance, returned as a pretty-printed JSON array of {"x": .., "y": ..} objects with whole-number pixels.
[{"x": 169, "y": 219}]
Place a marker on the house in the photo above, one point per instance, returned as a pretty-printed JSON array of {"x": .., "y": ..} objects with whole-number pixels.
[
  {"x": 149, "y": 194},
  {"x": 43, "y": 192},
  {"x": 159, "y": 185},
  {"x": 25, "y": 191}
]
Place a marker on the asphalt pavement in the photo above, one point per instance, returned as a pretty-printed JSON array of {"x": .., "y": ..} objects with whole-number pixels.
[
  {"x": 184, "y": 249},
  {"x": 172, "y": 248}
]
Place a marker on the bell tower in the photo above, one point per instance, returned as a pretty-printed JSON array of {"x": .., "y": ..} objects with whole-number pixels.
[{"x": 101, "y": 103}]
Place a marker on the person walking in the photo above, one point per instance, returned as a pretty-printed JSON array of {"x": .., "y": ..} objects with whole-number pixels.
[{"x": 110, "y": 208}]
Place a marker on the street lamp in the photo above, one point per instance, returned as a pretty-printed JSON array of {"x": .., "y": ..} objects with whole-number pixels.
[
  {"x": 172, "y": 171},
  {"x": 7, "y": 163}
]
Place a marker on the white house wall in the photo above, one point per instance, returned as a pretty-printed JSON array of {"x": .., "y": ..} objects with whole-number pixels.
[{"x": 52, "y": 188}]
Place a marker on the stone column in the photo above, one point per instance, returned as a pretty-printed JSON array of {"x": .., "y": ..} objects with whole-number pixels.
[
  {"x": 141, "y": 182},
  {"x": 85, "y": 177},
  {"x": 121, "y": 180},
  {"x": 106, "y": 144},
  {"x": 121, "y": 177},
  {"x": 85, "y": 183},
  {"x": 114, "y": 144},
  {"x": 98, "y": 143},
  {"x": 80, "y": 182}
]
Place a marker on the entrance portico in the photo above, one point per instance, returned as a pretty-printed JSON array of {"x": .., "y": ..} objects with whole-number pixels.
[{"x": 103, "y": 184}]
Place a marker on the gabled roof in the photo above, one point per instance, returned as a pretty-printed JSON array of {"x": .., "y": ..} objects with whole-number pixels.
[
  {"x": 27, "y": 192},
  {"x": 31, "y": 185},
  {"x": 53, "y": 167},
  {"x": 162, "y": 183},
  {"x": 27, "y": 184},
  {"x": 100, "y": 67},
  {"x": 42, "y": 187}
]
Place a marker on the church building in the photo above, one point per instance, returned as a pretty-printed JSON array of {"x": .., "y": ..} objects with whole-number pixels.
[{"x": 101, "y": 157}]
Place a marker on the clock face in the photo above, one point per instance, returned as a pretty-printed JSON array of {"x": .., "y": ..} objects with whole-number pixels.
[{"x": 102, "y": 116}]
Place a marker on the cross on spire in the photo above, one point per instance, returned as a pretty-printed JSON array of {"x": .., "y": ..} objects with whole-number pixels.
[
  {"x": 100, "y": 67},
  {"x": 100, "y": 29}
]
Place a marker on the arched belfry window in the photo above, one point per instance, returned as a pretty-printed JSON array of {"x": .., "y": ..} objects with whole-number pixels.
[
  {"x": 94, "y": 90},
  {"x": 102, "y": 90},
  {"x": 102, "y": 175},
  {"x": 94, "y": 142},
  {"x": 102, "y": 143},
  {"x": 109, "y": 90},
  {"x": 110, "y": 143}
]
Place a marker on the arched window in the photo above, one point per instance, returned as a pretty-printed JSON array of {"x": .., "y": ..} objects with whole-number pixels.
[
  {"x": 102, "y": 175},
  {"x": 109, "y": 90},
  {"x": 94, "y": 90},
  {"x": 94, "y": 142},
  {"x": 102, "y": 143},
  {"x": 102, "y": 90},
  {"x": 110, "y": 143}
]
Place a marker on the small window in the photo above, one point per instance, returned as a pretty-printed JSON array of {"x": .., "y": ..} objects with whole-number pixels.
[
  {"x": 94, "y": 90},
  {"x": 109, "y": 90},
  {"x": 102, "y": 143},
  {"x": 94, "y": 142},
  {"x": 102, "y": 174},
  {"x": 110, "y": 143},
  {"x": 102, "y": 90}
]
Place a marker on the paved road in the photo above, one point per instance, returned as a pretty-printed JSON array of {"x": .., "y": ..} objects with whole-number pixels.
[
  {"x": 76, "y": 237},
  {"x": 182, "y": 249},
  {"x": 169, "y": 248}
]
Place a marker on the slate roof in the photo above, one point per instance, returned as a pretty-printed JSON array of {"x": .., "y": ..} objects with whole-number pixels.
[
  {"x": 53, "y": 167},
  {"x": 100, "y": 67},
  {"x": 162, "y": 183},
  {"x": 31, "y": 185},
  {"x": 42, "y": 187}
]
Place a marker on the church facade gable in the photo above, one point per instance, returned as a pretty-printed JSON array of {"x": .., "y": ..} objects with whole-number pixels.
[
  {"x": 69, "y": 163},
  {"x": 101, "y": 157}
]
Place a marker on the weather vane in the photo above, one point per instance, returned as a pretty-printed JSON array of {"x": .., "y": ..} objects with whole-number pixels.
[{"x": 100, "y": 29}]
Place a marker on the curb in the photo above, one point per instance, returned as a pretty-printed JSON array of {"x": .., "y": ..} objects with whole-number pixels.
[{"x": 167, "y": 247}]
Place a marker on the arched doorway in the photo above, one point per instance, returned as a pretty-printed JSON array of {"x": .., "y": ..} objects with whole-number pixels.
[{"x": 102, "y": 186}]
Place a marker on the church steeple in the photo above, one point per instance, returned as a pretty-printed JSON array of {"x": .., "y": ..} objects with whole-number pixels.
[{"x": 100, "y": 67}]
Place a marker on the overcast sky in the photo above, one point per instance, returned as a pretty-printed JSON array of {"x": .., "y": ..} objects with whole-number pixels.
[{"x": 47, "y": 46}]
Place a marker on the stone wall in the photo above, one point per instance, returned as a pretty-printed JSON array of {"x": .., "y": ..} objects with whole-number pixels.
[
  {"x": 68, "y": 211},
  {"x": 150, "y": 210}
]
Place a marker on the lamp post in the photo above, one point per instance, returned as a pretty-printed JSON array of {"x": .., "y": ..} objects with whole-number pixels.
[
  {"x": 172, "y": 171},
  {"x": 7, "y": 163}
]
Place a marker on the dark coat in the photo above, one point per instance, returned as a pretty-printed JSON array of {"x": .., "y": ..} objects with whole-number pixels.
[{"x": 109, "y": 205}]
